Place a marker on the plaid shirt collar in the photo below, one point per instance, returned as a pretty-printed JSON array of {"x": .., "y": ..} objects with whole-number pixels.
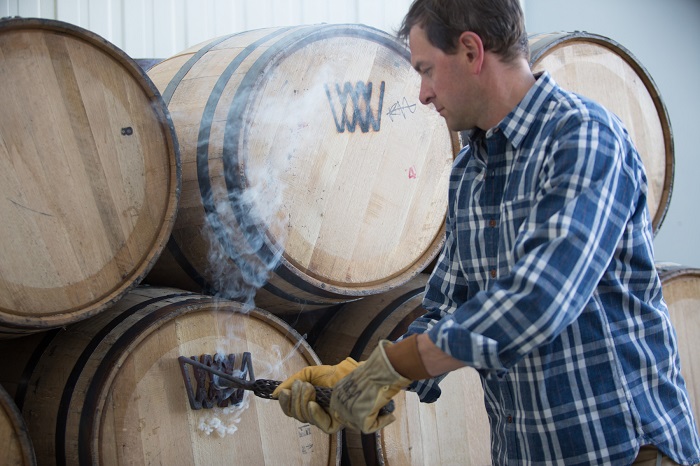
[{"x": 519, "y": 121}]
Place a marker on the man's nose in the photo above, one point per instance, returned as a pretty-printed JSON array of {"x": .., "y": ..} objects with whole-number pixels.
[{"x": 425, "y": 95}]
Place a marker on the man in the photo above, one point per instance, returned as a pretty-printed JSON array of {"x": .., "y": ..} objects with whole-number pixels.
[{"x": 546, "y": 284}]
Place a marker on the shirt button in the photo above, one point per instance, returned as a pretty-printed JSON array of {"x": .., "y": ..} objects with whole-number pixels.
[
  {"x": 492, "y": 223},
  {"x": 493, "y": 273},
  {"x": 510, "y": 419}
]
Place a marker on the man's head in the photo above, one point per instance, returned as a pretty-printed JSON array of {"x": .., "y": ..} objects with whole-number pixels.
[
  {"x": 472, "y": 57},
  {"x": 499, "y": 23}
]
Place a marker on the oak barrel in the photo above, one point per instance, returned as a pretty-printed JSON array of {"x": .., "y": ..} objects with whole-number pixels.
[
  {"x": 605, "y": 71},
  {"x": 453, "y": 430},
  {"x": 310, "y": 169},
  {"x": 15, "y": 443},
  {"x": 89, "y": 179},
  {"x": 681, "y": 289},
  {"x": 110, "y": 390}
]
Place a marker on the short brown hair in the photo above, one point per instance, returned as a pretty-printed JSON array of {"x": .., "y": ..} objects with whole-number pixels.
[{"x": 499, "y": 23}]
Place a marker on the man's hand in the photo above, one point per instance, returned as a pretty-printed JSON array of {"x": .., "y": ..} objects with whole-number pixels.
[
  {"x": 320, "y": 376},
  {"x": 297, "y": 394},
  {"x": 299, "y": 403},
  {"x": 357, "y": 398}
]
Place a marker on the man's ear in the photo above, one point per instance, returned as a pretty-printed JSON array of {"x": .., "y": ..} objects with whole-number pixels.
[{"x": 472, "y": 48}]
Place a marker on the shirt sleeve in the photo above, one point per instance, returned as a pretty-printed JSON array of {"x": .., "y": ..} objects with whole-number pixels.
[{"x": 586, "y": 191}]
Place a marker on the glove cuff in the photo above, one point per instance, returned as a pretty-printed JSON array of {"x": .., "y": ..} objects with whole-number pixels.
[{"x": 405, "y": 358}]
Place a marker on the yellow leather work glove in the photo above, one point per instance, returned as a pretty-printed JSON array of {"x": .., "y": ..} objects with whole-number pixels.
[
  {"x": 357, "y": 398},
  {"x": 321, "y": 376},
  {"x": 299, "y": 403},
  {"x": 297, "y": 395}
]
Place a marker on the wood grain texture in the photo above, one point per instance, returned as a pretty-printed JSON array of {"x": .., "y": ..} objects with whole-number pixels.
[
  {"x": 681, "y": 289},
  {"x": 603, "y": 70},
  {"x": 109, "y": 390},
  {"x": 89, "y": 178},
  {"x": 305, "y": 149},
  {"x": 15, "y": 443},
  {"x": 453, "y": 430}
]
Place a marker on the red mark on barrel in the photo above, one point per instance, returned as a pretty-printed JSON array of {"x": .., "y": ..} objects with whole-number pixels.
[{"x": 412, "y": 173}]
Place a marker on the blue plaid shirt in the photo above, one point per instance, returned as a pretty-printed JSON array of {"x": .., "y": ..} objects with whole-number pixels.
[{"x": 547, "y": 286}]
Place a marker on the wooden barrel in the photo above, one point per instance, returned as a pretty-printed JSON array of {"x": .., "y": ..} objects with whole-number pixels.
[
  {"x": 453, "y": 430},
  {"x": 110, "y": 389},
  {"x": 603, "y": 70},
  {"x": 681, "y": 289},
  {"x": 15, "y": 443},
  {"x": 147, "y": 63},
  {"x": 89, "y": 174},
  {"x": 309, "y": 167}
]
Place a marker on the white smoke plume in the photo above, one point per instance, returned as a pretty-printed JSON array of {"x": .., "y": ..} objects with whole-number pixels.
[{"x": 254, "y": 219}]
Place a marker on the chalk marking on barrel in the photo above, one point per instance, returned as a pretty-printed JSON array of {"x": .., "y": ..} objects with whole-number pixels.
[
  {"x": 399, "y": 108},
  {"x": 28, "y": 208}
]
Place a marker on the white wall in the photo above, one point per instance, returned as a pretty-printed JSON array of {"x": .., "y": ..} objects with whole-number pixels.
[
  {"x": 161, "y": 28},
  {"x": 662, "y": 35}
]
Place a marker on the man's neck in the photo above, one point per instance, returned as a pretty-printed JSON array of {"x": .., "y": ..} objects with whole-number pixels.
[{"x": 505, "y": 84}]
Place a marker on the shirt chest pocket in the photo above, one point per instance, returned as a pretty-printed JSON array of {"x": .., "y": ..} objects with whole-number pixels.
[{"x": 513, "y": 224}]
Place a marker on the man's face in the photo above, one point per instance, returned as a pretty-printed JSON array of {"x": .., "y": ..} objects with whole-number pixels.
[{"x": 445, "y": 81}]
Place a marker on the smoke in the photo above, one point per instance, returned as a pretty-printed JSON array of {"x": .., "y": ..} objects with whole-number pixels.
[
  {"x": 248, "y": 213},
  {"x": 240, "y": 258},
  {"x": 224, "y": 421},
  {"x": 247, "y": 218}
]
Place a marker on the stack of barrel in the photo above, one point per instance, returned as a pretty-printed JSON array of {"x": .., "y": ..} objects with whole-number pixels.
[
  {"x": 250, "y": 189},
  {"x": 179, "y": 212}
]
